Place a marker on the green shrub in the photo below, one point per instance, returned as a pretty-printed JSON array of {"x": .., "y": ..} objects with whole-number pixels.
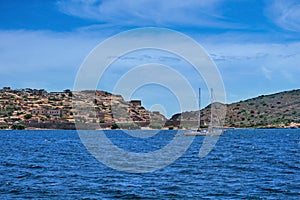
[
  {"x": 114, "y": 126},
  {"x": 155, "y": 125},
  {"x": 263, "y": 103},
  {"x": 18, "y": 126},
  {"x": 53, "y": 99},
  {"x": 4, "y": 126},
  {"x": 27, "y": 116}
]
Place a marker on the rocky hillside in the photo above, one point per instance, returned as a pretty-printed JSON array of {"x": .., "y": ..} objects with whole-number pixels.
[
  {"x": 108, "y": 109},
  {"x": 32, "y": 108},
  {"x": 41, "y": 109},
  {"x": 275, "y": 110}
]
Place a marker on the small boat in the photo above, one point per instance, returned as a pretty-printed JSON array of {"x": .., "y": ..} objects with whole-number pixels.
[
  {"x": 200, "y": 131},
  {"x": 196, "y": 132}
]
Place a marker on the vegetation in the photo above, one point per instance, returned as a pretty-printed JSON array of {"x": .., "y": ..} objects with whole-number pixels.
[
  {"x": 53, "y": 99},
  {"x": 276, "y": 110},
  {"x": 114, "y": 126},
  {"x": 156, "y": 125},
  {"x": 4, "y": 126},
  {"x": 28, "y": 116},
  {"x": 18, "y": 126}
]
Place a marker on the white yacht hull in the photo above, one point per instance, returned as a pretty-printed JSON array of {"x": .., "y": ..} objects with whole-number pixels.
[{"x": 195, "y": 132}]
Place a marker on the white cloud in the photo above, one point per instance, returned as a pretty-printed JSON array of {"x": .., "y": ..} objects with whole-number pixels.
[
  {"x": 148, "y": 12},
  {"x": 34, "y": 50},
  {"x": 42, "y": 58},
  {"x": 285, "y": 14},
  {"x": 271, "y": 56},
  {"x": 39, "y": 57},
  {"x": 251, "y": 68}
]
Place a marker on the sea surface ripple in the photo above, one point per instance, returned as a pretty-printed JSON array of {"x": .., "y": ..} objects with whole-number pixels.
[{"x": 245, "y": 164}]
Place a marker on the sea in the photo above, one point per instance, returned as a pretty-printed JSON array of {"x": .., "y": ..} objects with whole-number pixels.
[{"x": 244, "y": 164}]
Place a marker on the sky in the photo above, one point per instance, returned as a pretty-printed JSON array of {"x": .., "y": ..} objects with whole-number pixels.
[{"x": 254, "y": 43}]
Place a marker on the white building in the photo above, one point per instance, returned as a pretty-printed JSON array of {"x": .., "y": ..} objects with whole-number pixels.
[{"x": 57, "y": 112}]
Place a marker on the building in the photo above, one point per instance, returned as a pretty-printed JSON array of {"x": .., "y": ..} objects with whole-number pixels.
[
  {"x": 136, "y": 102},
  {"x": 57, "y": 112}
]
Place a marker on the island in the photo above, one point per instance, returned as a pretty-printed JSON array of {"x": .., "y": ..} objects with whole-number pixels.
[{"x": 38, "y": 109}]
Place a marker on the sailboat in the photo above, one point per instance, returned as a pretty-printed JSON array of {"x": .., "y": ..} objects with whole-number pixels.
[{"x": 199, "y": 130}]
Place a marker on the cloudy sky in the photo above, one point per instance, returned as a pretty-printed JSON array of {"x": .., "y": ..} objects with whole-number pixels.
[{"x": 254, "y": 43}]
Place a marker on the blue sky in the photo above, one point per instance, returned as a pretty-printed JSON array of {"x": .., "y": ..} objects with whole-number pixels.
[{"x": 255, "y": 44}]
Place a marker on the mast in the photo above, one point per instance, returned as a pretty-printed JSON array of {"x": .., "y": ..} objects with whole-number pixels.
[
  {"x": 199, "y": 104},
  {"x": 211, "y": 108}
]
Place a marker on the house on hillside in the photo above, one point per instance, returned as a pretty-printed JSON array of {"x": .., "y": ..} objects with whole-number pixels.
[
  {"x": 57, "y": 112},
  {"x": 136, "y": 103}
]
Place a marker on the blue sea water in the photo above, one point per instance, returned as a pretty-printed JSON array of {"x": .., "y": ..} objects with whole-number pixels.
[{"x": 244, "y": 164}]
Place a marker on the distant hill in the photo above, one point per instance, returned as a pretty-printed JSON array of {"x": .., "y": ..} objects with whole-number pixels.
[
  {"x": 276, "y": 110},
  {"x": 32, "y": 108}
]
